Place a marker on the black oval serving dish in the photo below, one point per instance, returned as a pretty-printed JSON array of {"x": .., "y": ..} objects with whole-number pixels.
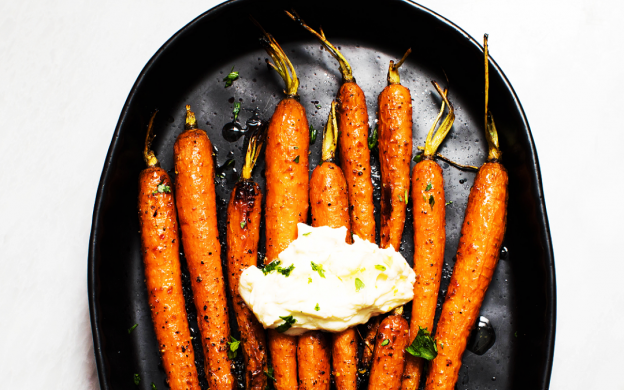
[{"x": 189, "y": 69}]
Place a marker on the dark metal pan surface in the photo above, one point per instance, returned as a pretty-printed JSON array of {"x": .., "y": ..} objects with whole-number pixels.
[{"x": 189, "y": 69}]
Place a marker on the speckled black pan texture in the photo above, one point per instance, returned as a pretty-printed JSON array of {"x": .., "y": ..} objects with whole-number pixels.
[{"x": 189, "y": 69}]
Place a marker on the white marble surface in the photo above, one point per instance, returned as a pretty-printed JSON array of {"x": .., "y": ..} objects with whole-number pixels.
[{"x": 66, "y": 68}]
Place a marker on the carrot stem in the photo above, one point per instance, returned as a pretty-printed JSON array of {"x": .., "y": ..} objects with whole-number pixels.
[
  {"x": 435, "y": 138},
  {"x": 253, "y": 151},
  {"x": 148, "y": 153},
  {"x": 330, "y": 135},
  {"x": 280, "y": 63},
  {"x": 345, "y": 68},
  {"x": 393, "y": 69},
  {"x": 190, "y": 122},
  {"x": 491, "y": 135}
]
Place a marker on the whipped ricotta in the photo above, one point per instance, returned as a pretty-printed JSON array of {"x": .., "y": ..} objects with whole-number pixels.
[{"x": 327, "y": 284}]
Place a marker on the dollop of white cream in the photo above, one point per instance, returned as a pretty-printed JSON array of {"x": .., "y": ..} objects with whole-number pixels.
[{"x": 333, "y": 302}]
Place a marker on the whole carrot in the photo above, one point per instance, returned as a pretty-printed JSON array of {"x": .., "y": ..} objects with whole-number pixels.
[
  {"x": 243, "y": 232},
  {"x": 352, "y": 143},
  {"x": 197, "y": 211},
  {"x": 330, "y": 207},
  {"x": 477, "y": 255},
  {"x": 286, "y": 193},
  {"x": 392, "y": 339},
  {"x": 429, "y": 238},
  {"x": 160, "y": 249},
  {"x": 395, "y": 154}
]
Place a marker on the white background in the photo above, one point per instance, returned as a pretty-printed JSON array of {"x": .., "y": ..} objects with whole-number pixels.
[{"x": 66, "y": 68}]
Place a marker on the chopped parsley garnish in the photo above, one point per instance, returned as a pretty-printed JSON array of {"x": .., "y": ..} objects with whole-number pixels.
[
  {"x": 275, "y": 266},
  {"x": 243, "y": 224},
  {"x": 133, "y": 327},
  {"x": 385, "y": 342},
  {"x": 307, "y": 234},
  {"x": 372, "y": 139},
  {"x": 424, "y": 198},
  {"x": 269, "y": 374},
  {"x": 417, "y": 158},
  {"x": 318, "y": 268},
  {"x": 312, "y": 134},
  {"x": 162, "y": 187},
  {"x": 406, "y": 198},
  {"x": 317, "y": 307},
  {"x": 429, "y": 186},
  {"x": 380, "y": 267},
  {"x": 296, "y": 159},
  {"x": 431, "y": 201},
  {"x": 236, "y": 110},
  {"x": 318, "y": 106},
  {"x": 289, "y": 321},
  {"x": 423, "y": 346},
  {"x": 154, "y": 386},
  {"x": 358, "y": 284},
  {"x": 448, "y": 203},
  {"x": 233, "y": 348},
  {"x": 229, "y": 79},
  {"x": 309, "y": 280},
  {"x": 137, "y": 379},
  {"x": 286, "y": 271},
  {"x": 272, "y": 266}
]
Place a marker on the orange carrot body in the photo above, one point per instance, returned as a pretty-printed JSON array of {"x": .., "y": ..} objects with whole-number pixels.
[
  {"x": 477, "y": 255},
  {"x": 330, "y": 207},
  {"x": 243, "y": 224},
  {"x": 197, "y": 210},
  {"x": 429, "y": 241},
  {"x": 286, "y": 157},
  {"x": 160, "y": 248},
  {"x": 355, "y": 158},
  {"x": 313, "y": 354},
  {"x": 389, "y": 359},
  {"x": 395, "y": 153}
]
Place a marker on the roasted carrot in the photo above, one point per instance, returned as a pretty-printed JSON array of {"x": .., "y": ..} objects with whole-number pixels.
[
  {"x": 477, "y": 255},
  {"x": 197, "y": 210},
  {"x": 352, "y": 143},
  {"x": 330, "y": 207},
  {"x": 395, "y": 154},
  {"x": 160, "y": 249},
  {"x": 313, "y": 355},
  {"x": 287, "y": 173},
  {"x": 243, "y": 233},
  {"x": 429, "y": 237},
  {"x": 389, "y": 360}
]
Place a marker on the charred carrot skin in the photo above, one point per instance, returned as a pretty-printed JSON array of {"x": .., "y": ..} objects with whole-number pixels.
[
  {"x": 372, "y": 327},
  {"x": 243, "y": 233},
  {"x": 429, "y": 239},
  {"x": 389, "y": 358},
  {"x": 395, "y": 152},
  {"x": 477, "y": 255},
  {"x": 355, "y": 158},
  {"x": 197, "y": 212},
  {"x": 313, "y": 354},
  {"x": 286, "y": 171},
  {"x": 283, "y": 349},
  {"x": 160, "y": 248}
]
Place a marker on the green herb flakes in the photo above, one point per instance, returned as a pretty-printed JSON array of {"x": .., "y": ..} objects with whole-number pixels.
[
  {"x": 272, "y": 266},
  {"x": 243, "y": 224},
  {"x": 162, "y": 187},
  {"x": 417, "y": 158},
  {"x": 373, "y": 139},
  {"x": 237, "y": 107},
  {"x": 233, "y": 348},
  {"x": 429, "y": 186},
  {"x": 296, "y": 159},
  {"x": 385, "y": 342},
  {"x": 289, "y": 321},
  {"x": 229, "y": 79},
  {"x": 318, "y": 268},
  {"x": 286, "y": 271},
  {"x": 137, "y": 379},
  {"x": 269, "y": 374},
  {"x": 431, "y": 201},
  {"x": 133, "y": 327},
  {"x": 307, "y": 234},
  {"x": 317, "y": 307},
  {"x": 358, "y": 284},
  {"x": 380, "y": 267},
  {"x": 423, "y": 346},
  {"x": 448, "y": 203}
]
